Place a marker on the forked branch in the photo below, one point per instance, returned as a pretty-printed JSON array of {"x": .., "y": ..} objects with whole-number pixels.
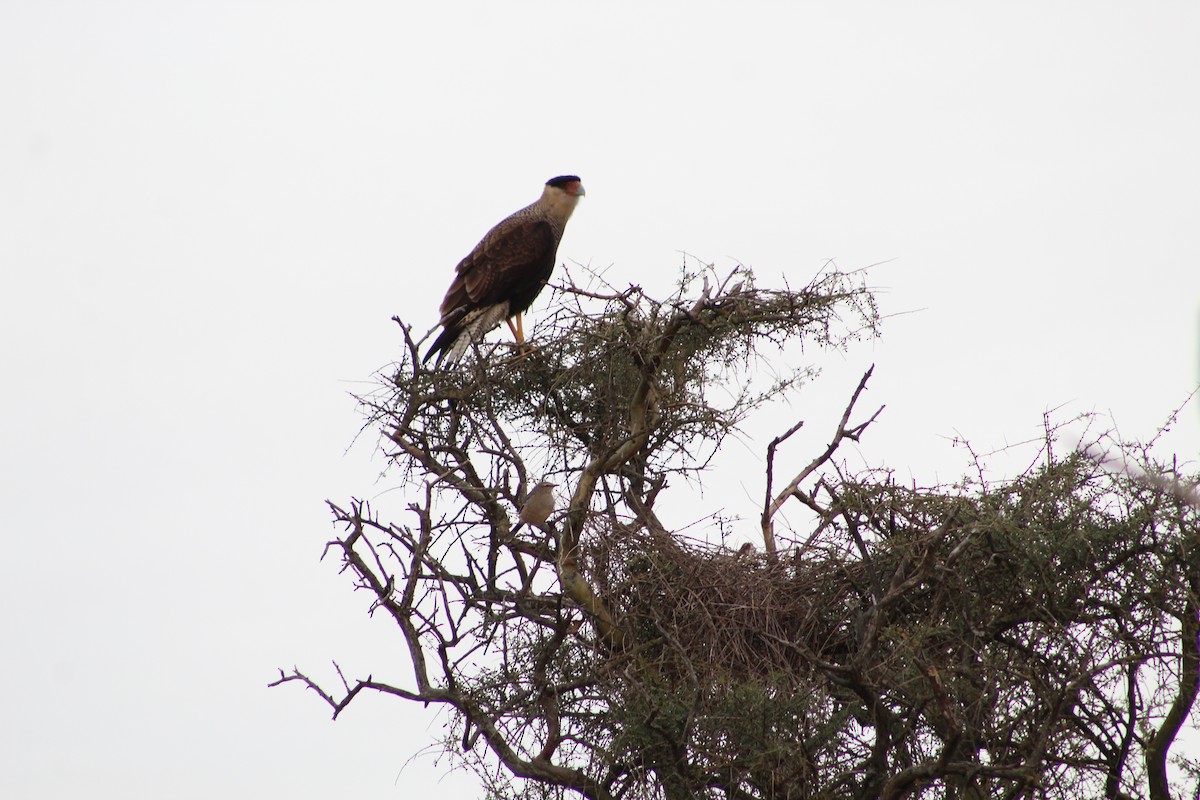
[{"x": 844, "y": 431}]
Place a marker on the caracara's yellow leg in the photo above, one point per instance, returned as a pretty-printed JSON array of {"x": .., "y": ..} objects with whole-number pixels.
[{"x": 518, "y": 331}]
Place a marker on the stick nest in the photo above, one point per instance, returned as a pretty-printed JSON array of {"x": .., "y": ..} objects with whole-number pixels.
[{"x": 715, "y": 616}]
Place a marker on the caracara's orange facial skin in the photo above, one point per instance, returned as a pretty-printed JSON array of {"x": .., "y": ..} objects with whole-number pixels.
[{"x": 575, "y": 188}]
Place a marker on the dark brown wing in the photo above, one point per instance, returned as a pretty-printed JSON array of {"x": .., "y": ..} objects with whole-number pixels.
[
  {"x": 510, "y": 257},
  {"x": 511, "y": 263}
]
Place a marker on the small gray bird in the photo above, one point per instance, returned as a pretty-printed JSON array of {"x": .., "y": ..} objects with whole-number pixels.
[{"x": 539, "y": 505}]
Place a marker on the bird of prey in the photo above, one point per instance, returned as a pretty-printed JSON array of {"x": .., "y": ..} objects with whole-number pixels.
[{"x": 500, "y": 278}]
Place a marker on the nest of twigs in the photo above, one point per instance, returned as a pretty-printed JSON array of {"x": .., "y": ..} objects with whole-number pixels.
[{"x": 711, "y": 615}]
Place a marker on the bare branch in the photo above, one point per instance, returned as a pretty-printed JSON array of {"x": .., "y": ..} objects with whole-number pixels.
[{"x": 844, "y": 431}]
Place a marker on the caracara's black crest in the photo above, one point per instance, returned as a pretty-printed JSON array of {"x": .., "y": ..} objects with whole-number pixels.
[{"x": 498, "y": 280}]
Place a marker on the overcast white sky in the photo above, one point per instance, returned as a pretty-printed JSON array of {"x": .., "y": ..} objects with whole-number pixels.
[{"x": 209, "y": 212}]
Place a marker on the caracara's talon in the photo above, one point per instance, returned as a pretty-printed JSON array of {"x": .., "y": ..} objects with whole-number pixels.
[{"x": 524, "y": 350}]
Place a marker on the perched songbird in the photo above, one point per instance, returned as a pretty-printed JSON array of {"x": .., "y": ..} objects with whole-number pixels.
[
  {"x": 539, "y": 505},
  {"x": 500, "y": 278}
]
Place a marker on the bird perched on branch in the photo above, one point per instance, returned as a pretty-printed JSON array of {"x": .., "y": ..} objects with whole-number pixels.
[
  {"x": 500, "y": 278},
  {"x": 539, "y": 505}
]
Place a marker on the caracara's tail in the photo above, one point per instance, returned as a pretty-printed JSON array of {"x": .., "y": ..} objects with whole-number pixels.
[{"x": 458, "y": 333}]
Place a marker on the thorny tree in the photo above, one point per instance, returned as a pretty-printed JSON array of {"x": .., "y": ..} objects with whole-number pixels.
[{"x": 1034, "y": 639}]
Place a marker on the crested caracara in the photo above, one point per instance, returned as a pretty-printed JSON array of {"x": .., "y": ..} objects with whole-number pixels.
[{"x": 500, "y": 278}]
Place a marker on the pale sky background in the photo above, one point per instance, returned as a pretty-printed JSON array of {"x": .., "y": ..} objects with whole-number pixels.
[{"x": 210, "y": 211}]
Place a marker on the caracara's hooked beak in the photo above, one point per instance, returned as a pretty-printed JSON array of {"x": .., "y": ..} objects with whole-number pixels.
[{"x": 569, "y": 185}]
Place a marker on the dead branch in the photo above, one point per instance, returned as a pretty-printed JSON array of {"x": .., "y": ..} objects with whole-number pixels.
[{"x": 844, "y": 431}]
